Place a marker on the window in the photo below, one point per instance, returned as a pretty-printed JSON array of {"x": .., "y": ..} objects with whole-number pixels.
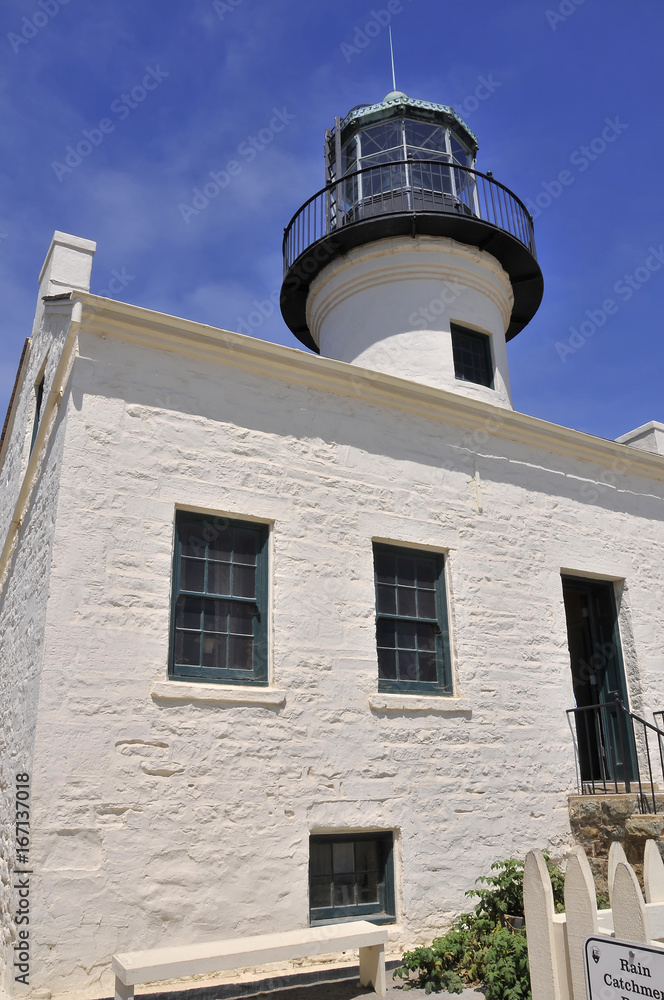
[
  {"x": 472, "y": 356},
  {"x": 39, "y": 398},
  {"x": 411, "y": 622},
  {"x": 351, "y": 876},
  {"x": 219, "y": 626}
]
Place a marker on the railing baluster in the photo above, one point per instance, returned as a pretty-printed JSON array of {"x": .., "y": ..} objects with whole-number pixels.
[{"x": 652, "y": 785}]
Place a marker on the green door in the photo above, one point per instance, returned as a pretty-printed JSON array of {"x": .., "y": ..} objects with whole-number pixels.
[{"x": 605, "y": 735}]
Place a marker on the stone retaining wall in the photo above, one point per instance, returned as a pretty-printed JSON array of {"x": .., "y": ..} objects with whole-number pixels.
[{"x": 598, "y": 820}]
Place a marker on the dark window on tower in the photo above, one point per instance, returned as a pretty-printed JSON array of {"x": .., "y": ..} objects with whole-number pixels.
[
  {"x": 219, "y": 616},
  {"x": 472, "y": 356},
  {"x": 351, "y": 875},
  {"x": 411, "y": 622},
  {"x": 39, "y": 399}
]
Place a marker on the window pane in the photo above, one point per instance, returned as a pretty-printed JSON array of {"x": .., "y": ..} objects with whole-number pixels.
[
  {"x": 426, "y": 573},
  {"x": 219, "y": 578},
  {"x": 188, "y": 612},
  {"x": 367, "y": 888},
  {"x": 244, "y": 581},
  {"x": 216, "y": 616},
  {"x": 244, "y": 548},
  {"x": 426, "y": 604},
  {"x": 241, "y": 618},
  {"x": 387, "y": 600},
  {"x": 320, "y": 861},
  {"x": 425, "y": 136},
  {"x": 406, "y": 602},
  {"x": 406, "y": 637},
  {"x": 426, "y": 637},
  {"x": 386, "y": 632},
  {"x": 387, "y": 664},
  {"x": 344, "y": 890},
  {"x": 385, "y": 567},
  {"x": 406, "y": 571},
  {"x": 191, "y": 538},
  {"x": 214, "y": 650},
  {"x": 188, "y": 648},
  {"x": 407, "y": 666},
  {"x": 221, "y": 543},
  {"x": 192, "y": 575},
  {"x": 343, "y": 857},
  {"x": 428, "y": 670},
  {"x": 379, "y": 137},
  {"x": 321, "y": 892},
  {"x": 240, "y": 652},
  {"x": 366, "y": 856}
]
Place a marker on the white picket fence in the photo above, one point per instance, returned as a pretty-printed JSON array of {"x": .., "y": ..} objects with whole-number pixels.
[{"x": 555, "y": 940}]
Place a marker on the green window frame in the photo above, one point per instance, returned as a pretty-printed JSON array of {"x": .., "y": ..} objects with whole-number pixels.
[
  {"x": 351, "y": 876},
  {"x": 219, "y": 600},
  {"x": 472, "y": 356},
  {"x": 412, "y": 637}
]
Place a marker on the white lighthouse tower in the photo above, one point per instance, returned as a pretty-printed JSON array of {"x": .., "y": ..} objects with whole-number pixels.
[{"x": 410, "y": 261}]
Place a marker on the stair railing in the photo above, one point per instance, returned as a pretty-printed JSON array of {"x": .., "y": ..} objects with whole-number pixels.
[{"x": 616, "y": 749}]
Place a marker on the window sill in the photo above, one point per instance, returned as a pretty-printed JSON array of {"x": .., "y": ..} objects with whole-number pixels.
[
  {"x": 440, "y": 704},
  {"x": 216, "y": 694}
]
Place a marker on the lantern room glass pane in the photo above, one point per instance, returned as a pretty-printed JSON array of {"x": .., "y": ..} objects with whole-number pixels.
[
  {"x": 378, "y": 138},
  {"x": 422, "y": 135}
]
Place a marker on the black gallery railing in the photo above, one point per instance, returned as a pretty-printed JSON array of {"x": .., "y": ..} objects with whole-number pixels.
[
  {"x": 618, "y": 751},
  {"x": 407, "y": 187}
]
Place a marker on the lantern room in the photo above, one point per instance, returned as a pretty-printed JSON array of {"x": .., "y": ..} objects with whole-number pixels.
[
  {"x": 422, "y": 142},
  {"x": 405, "y": 221}
]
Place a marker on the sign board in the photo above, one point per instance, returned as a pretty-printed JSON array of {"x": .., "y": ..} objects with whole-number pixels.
[{"x": 620, "y": 970}]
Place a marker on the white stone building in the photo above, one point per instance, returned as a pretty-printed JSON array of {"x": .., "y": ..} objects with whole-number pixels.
[{"x": 287, "y": 638}]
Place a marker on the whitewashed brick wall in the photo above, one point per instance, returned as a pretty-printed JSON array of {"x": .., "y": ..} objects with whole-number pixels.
[{"x": 178, "y": 821}]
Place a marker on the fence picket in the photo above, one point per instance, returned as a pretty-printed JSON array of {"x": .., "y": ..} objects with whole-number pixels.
[
  {"x": 539, "y": 909},
  {"x": 616, "y": 855},
  {"x": 556, "y": 941},
  {"x": 629, "y": 911},
  {"x": 581, "y": 914},
  {"x": 653, "y": 873}
]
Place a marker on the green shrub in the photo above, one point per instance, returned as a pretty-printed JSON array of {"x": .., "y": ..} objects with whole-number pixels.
[
  {"x": 480, "y": 948},
  {"x": 507, "y": 975}
]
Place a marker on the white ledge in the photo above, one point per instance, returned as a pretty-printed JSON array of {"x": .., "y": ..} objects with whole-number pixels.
[
  {"x": 441, "y": 704},
  {"x": 218, "y": 694}
]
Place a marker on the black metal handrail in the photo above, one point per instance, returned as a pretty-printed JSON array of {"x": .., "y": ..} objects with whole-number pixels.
[
  {"x": 614, "y": 751},
  {"x": 409, "y": 186}
]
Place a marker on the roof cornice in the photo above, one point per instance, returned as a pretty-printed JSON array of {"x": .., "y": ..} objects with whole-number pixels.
[
  {"x": 170, "y": 333},
  {"x": 371, "y": 112}
]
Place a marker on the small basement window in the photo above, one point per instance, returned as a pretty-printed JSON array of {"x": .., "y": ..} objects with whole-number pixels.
[
  {"x": 351, "y": 876},
  {"x": 472, "y": 356}
]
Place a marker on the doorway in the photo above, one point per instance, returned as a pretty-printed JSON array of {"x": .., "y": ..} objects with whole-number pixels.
[{"x": 604, "y": 733}]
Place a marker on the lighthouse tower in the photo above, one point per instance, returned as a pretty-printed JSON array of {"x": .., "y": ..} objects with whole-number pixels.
[{"x": 410, "y": 261}]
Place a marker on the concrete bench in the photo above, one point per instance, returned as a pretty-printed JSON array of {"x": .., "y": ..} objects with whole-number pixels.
[{"x": 134, "y": 967}]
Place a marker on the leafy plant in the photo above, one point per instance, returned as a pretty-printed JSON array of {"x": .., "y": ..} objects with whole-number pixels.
[
  {"x": 507, "y": 973},
  {"x": 505, "y": 893},
  {"x": 480, "y": 947}
]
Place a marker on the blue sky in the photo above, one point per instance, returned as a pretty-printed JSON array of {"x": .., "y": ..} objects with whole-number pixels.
[{"x": 217, "y": 72}]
